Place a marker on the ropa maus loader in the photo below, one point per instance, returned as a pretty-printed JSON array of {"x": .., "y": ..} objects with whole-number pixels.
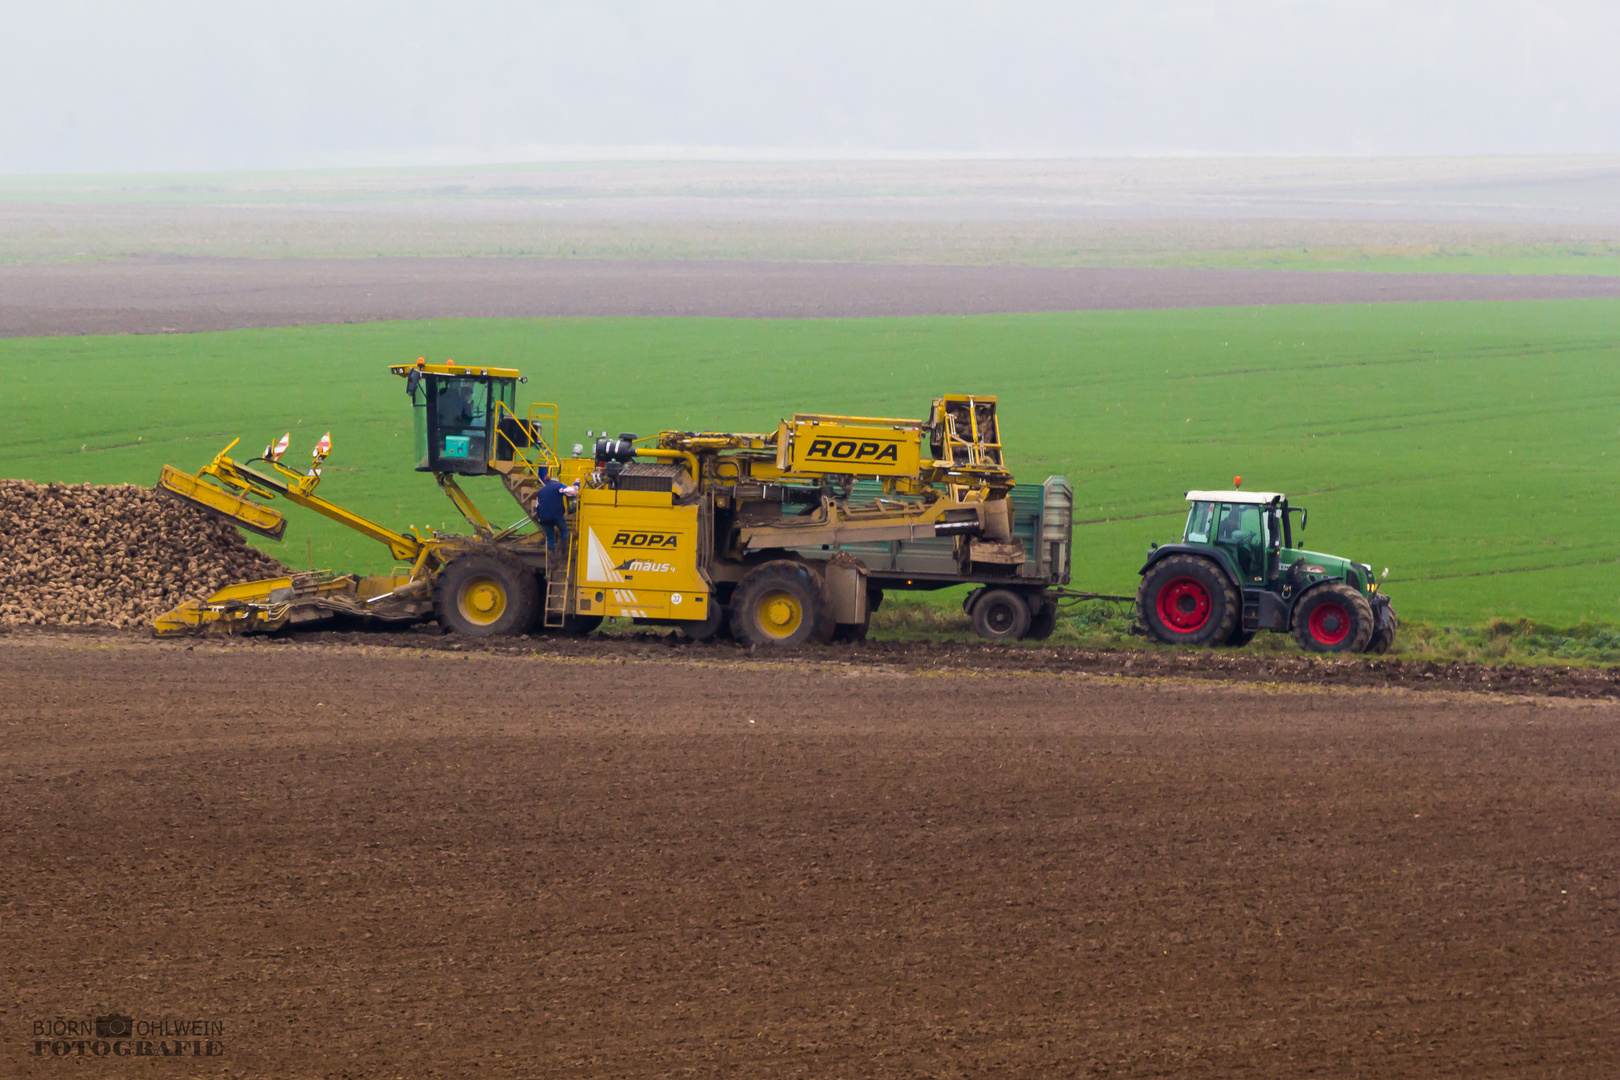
[{"x": 774, "y": 538}]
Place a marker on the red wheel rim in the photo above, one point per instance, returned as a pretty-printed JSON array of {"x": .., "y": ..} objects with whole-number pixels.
[
  {"x": 1184, "y": 605},
  {"x": 1330, "y": 623}
]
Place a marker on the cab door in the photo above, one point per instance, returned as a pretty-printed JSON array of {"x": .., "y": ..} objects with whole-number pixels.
[{"x": 1240, "y": 531}]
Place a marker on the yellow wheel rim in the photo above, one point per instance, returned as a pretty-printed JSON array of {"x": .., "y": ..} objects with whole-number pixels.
[
  {"x": 482, "y": 600},
  {"x": 780, "y": 613}
]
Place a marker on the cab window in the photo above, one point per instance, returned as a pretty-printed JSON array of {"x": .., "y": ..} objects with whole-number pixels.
[
  {"x": 463, "y": 403},
  {"x": 1239, "y": 524},
  {"x": 1199, "y": 523}
]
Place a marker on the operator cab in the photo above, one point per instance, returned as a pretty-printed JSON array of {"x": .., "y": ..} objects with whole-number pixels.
[
  {"x": 1251, "y": 527},
  {"x": 464, "y": 416}
]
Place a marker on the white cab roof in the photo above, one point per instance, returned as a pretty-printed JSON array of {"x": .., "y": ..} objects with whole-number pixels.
[{"x": 1258, "y": 497}]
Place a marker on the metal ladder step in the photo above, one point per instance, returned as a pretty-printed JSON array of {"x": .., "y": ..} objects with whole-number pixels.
[{"x": 558, "y": 584}]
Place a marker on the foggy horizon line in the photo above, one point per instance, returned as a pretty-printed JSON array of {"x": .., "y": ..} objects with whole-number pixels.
[{"x": 745, "y": 155}]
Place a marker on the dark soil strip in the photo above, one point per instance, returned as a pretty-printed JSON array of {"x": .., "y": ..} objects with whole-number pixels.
[
  {"x": 1200, "y": 664},
  {"x": 155, "y": 295}
]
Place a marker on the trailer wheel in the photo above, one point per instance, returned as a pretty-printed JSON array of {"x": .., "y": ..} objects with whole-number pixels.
[
  {"x": 1333, "y": 619},
  {"x": 485, "y": 596},
  {"x": 1187, "y": 600},
  {"x": 781, "y": 603},
  {"x": 1044, "y": 621},
  {"x": 1001, "y": 615}
]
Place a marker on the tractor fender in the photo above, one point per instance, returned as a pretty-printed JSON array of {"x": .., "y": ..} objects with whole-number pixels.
[{"x": 1214, "y": 554}]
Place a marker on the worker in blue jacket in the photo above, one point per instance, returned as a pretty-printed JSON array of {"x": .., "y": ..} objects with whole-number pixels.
[{"x": 550, "y": 511}]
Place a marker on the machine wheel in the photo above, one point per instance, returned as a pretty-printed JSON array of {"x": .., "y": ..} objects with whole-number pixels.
[
  {"x": 1187, "y": 600},
  {"x": 781, "y": 603},
  {"x": 1381, "y": 640},
  {"x": 1044, "y": 620},
  {"x": 1001, "y": 615},
  {"x": 484, "y": 596},
  {"x": 852, "y": 631},
  {"x": 707, "y": 628},
  {"x": 1333, "y": 619},
  {"x": 1240, "y": 637},
  {"x": 580, "y": 625}
]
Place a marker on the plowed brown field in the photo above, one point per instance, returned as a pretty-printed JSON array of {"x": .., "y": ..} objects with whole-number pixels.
[{"x": 396, "y": 861}]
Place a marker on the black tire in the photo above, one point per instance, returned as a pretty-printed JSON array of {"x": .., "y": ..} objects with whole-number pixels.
[
  {"x": 1383, "y": 640},
  {"x": 852, "y": 631},
  {"x": 486, "y": 596},
  {"x": 1333, "y": 618},
  {"x": 1001, "y": 615},
  {"x": 1240, "y": 637},
  {"x": 874, "y": 598},
  {"x": 1188, "y": 600},
  {"x": 1044, "y": 620},
  {"x": 781, "y": 602},
  {"x": 580, "y": 625},
  {"x": 708, "y": 627}
]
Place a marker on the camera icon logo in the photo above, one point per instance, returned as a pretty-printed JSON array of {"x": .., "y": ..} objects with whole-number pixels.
[{"x": 114, "y": 1026}]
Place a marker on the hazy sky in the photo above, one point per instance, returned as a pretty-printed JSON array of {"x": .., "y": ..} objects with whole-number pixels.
[{"x": 168, "y": 84}]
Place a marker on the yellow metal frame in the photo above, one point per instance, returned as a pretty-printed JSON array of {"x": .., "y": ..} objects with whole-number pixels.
[{"x": 238, "y": 481}]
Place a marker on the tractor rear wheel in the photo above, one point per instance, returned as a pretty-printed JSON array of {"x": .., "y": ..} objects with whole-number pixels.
[
  {"x": 1001, "y": 615},
  {"x": 781, "y": 602},
  {"x": 1188, "y": 600},
  {"x": 485, "y": 596},
  {"x": 1333, "y": 619}
]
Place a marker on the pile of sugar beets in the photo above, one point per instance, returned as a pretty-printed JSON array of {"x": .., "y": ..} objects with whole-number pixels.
[{"x": 86, "y": 555}]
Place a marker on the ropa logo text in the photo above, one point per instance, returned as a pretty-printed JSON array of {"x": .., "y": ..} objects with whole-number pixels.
[
  {"x": 869, "y": 452},
  {"x": 645, "y": 540}
]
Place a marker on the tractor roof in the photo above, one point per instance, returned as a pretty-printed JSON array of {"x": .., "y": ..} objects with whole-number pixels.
[{"x": 1260, "y": 498}]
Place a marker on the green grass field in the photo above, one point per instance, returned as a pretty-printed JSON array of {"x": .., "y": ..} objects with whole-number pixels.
[{"x": 1464, "y": 445}]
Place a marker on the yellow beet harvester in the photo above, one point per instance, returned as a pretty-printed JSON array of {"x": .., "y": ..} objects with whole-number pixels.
[{"x": 775, "y": 538}]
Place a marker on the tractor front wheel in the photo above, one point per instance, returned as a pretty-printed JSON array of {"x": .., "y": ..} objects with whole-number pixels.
[
  {"x": 1333, "y": 619},
  {"x": 485, "y": 596},
  {"x": 1188, "y": 600}
]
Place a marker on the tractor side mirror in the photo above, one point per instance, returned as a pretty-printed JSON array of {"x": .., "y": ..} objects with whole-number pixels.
[
  {"x": 412, "y": 380},
  {"x": 1304, "y": 516}
]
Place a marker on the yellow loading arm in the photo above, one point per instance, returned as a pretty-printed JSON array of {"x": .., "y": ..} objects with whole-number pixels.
[{"x": 238, "y": 482}]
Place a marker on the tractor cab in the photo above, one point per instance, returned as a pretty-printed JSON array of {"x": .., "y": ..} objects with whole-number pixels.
[
  {"x": 464, "y": 415},
  {"x": 1252, "y": 528},
  {"x": 1236, "y": 571}
]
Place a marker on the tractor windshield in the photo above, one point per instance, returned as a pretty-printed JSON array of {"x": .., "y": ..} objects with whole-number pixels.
[{"x": 1200, "y": 522}]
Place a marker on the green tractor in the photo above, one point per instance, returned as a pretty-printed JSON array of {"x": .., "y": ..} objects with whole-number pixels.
[{"x": 1236, "y": 572}]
